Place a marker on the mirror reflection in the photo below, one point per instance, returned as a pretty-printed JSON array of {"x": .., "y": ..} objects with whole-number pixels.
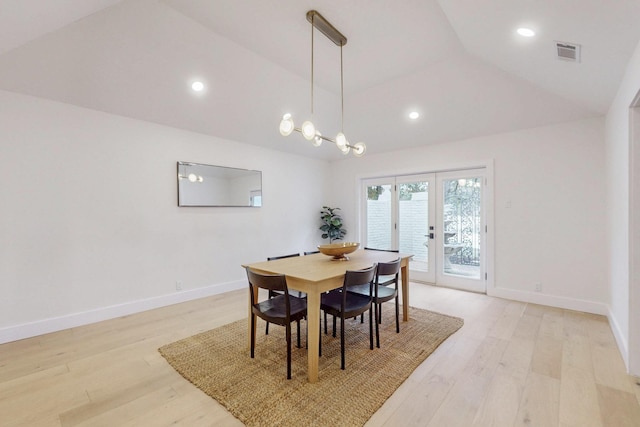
[{"x": 210, "y": 185}]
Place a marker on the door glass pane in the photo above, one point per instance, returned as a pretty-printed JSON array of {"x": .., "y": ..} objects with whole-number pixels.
[
  {"x": 461, "y": 227},
  {"x": 379, "y": 230},
  {"x": 413, "y": 226}
]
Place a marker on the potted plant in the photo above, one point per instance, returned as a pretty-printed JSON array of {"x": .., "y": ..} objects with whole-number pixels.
[{"x": 331, "y": 224}]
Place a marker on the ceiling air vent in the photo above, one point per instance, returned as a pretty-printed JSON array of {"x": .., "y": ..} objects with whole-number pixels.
[{"x": 568, "y": 51}]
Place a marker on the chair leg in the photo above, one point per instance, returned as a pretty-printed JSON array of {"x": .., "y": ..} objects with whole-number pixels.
[
  {"x": 397, "y": 316},
  {"x": 325, "y": 323},
  {"x": 342, "y": 361},
  {"x": 320, "y": 336},
  {"x": 288, "y": 327},
  {"x": 266, "y": 328},
  {"x": 371, "y": 328},
  {"x": 253, "y": 334},
  {"x": 334, "y": 325},
  {"x": 378, "y": 308},
  {"x": 298, "y": 325}
]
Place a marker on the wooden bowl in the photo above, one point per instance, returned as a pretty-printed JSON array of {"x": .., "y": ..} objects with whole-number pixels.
[{"x": 338, "y": 250}]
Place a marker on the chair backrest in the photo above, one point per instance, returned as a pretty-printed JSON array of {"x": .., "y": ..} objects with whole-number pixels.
[
  {"x": 384, "y": 250},
  {"x": 271, "y": 258},
  {"x": 311, "y": 252},
  {"x": 385, "y": 269},
  {"x": 358, "y": 278},
  {"x": 271, "y": 282}
]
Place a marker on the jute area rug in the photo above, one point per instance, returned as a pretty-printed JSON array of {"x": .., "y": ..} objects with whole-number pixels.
[{"x": 257, "y": 392}]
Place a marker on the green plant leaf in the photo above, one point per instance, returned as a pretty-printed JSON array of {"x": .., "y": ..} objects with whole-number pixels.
[{"x": 332, "y": 224}]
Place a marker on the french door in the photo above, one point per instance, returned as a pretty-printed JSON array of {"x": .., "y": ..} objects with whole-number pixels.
[{"x": 437, "y": 217}]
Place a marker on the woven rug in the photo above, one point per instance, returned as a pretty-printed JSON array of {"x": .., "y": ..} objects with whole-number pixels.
[{"x": 257, "y": 392}]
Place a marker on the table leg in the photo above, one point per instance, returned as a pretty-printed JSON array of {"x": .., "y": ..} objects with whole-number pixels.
[
  {"x": 404, "y": 272},
  {"x": 313, "y": 334}
]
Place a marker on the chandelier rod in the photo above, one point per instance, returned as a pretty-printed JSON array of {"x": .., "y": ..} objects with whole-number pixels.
[
  {"x": 341, "y": 94},
  {"x": 312, "y": 26}
]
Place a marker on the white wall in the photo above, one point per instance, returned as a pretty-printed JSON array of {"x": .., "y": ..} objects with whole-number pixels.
[
  {"x": 90, "y": 224},
  {"x": 625, "y": 304},
  {"x": 552, "y": 232}
]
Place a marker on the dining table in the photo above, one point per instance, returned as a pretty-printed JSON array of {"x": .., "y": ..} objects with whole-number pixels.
[{"x": 318, "y": 273}]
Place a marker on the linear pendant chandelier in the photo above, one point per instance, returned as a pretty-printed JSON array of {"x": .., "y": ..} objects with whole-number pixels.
[{"x": 308, "y": 129}]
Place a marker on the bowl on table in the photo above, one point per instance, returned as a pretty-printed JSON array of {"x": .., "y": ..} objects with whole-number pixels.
[{"x": 338, "y": 250}]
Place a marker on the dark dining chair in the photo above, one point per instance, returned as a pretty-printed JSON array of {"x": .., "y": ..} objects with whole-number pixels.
[
  {"x": 387, "y": 274},
  {"x": 276, "y": 293},
  {"x": 344, "y": 304},
  {"x": 280, "y": 310},
  {"x": 385, "y": 281}
]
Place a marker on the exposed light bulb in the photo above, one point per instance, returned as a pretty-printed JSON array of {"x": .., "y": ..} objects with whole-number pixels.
[
  {"x": 341, "y": 140},
  {"x": 286, "y": 125},
  {"x": 345, "y": 150},
  {"x": 193, "y": 177},
  {"x": 317, "y": 141},
  {"x": 308, "y": 130},
  {"x": 197, "y": 86},
  {"x": 414, "y": 115},
  {"x": 359, "y": 149}
]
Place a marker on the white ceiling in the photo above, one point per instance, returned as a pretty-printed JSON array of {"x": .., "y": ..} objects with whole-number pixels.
[{"x": 458, "y": 62}]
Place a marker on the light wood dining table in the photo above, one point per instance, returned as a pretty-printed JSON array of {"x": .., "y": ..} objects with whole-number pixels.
[{"x": 318, "y": 273}]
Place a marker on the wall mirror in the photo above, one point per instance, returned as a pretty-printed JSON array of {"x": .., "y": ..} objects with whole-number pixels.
[{"x": 209, "y": 185}]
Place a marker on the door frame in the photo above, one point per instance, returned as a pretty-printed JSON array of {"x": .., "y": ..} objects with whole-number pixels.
[
  {"x": 633, "y": 351},
  {"x": 486, "y": 164}
]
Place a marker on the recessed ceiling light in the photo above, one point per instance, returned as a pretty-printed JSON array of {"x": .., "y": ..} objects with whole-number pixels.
[
  {"x": 197, "y": 86},
  {"x": 414, "y": 115},
  {"x": 526, "y": 32}
]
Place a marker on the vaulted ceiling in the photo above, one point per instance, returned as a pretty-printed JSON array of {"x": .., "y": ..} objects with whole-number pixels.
[{"x": 459, "y": 63}]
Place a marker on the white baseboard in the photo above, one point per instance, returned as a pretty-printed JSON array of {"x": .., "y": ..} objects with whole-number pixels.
[
  {"x": 45, "y": 326},
  {"x": 551, "y": 300},
  {"x": 621, "y": 341}
]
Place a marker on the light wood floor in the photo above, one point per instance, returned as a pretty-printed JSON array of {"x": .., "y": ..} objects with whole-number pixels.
[{"x": 512, "y": 364}]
